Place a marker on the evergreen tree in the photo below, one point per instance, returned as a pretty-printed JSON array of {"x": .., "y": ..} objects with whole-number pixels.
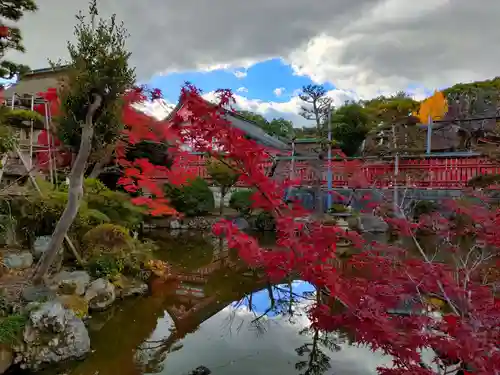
[{"x": 12, "y": 11}]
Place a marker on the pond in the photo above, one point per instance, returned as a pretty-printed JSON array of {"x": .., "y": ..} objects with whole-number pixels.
[{"x": 213, "y": 317}]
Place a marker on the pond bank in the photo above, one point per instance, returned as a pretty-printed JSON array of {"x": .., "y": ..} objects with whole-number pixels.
[
  {"x": 206, "y": 316},
  {"x": 51, "y": 320}
]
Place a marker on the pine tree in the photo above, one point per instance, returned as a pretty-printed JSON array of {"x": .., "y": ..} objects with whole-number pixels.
[
  {"x": 12, "y": 11},
  {"x": 91, "y": 107}
]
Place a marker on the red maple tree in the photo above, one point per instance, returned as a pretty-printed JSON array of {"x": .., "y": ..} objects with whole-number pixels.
[{"x": 369, "y": 284}]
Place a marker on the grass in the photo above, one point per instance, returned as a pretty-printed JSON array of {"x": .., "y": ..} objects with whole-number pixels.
[{"x": 11, "y": 328}]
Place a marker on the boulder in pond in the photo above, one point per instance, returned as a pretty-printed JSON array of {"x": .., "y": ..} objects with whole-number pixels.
[
  {"x": 18, "y": 260},
  {"x": 75, "y": 282},
  {"x": 40, "y": 245},
  {"x": 75, "y": 303},
  {"x": 373, "y": 224},
  {"x": 53, "y": 334},
  {"x": 37, "y": 293},
  {"x": 100, "y": 294},
  {"x": 241, "y": 223},
  {"x": 126, "y": 287}
]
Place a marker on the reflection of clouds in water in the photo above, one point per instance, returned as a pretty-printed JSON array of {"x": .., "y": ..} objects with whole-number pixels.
[
  {"x": 146, "y": 354},
  {"x": 225, "y": 349},
  {"x": 261, "y": 300}
]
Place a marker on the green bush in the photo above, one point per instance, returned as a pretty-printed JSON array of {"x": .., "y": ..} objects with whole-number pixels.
[
  {"x": 265, "y": 222},
  {"x": 424, "y": 208},
  {"x": 37, "y": 215},
  {"x": 106, "y": 266},
  {"x": 110, "y": 250},
  {"x": 106, "y": 239},
  {"x": 11, "y": 328},
  {"x": 241, "y": 201},
  {"x": 115, "y": 205},
  {"x": 192, "y": 199},
  {"x": 337, "y": 209}
]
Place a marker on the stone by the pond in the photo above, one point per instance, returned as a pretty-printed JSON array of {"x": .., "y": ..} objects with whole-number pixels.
[
  {"x": 201, "y": 370},
  {"x": 75, "y": 282},
  {"x": 241, "y": 223},
  {"x": 40, "y": 245},
  {"x": 100, "y": 294},
  {"x": 18, "y": 260},
  {"x": 175, "y": 224},
  {"x": 6, "y": 358},
  {"x": 53, "y": 334},
  {"x": 373, "y": 224},
  {"x": 130, "y": 287},
  {"x": 75, "y": 303},
  {"x": 39, "y": 293}
]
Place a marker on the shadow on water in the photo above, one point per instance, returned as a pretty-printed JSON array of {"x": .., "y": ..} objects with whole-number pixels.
[{"x": 220, "y": 315}]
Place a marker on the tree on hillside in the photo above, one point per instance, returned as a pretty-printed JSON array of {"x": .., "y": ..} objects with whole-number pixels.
[
  {"x": 307, "y": 132},
  {"x": 281, "y": 128},
  {"x": 278, "y": 127},
  {"x": 91, "y": 107},
  {"x": 390, "y": 109},
  {"x": 10, "y": 36},
  {"x": 255, "y": 117},
  {"x": 350, "y": 125},
  {"x": 317, "y": 104}
]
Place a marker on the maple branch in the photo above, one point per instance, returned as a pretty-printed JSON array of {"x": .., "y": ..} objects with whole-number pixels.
[{"x": 426, "y": 259}]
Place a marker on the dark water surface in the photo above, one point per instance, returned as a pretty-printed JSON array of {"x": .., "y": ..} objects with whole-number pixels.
[{"x": 211, "y": 318}]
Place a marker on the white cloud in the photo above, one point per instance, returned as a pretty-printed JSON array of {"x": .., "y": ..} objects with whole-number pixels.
[
  {"x": 240, "y": 74},
  {"x": 370, "y": 46},
  {"x": 158, "y": 109},
  {"x": 241, "y": 89},
  {"x": 279, "y": 91},
  {"x": 289, "y": 110}
]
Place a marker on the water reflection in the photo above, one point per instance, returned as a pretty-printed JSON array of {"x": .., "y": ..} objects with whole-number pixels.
[{"x": 221, "y": 315}]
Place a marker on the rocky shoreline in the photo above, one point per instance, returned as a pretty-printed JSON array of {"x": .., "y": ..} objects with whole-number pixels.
[{"x": 56, "y": 315}]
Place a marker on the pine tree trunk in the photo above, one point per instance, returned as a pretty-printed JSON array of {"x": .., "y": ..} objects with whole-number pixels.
[{"x": 75, "y": 194}]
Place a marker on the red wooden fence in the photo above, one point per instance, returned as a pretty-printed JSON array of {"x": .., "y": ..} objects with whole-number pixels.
[{"x": 437, "y": 172}]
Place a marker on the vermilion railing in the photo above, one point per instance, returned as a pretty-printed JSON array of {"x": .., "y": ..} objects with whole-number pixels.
[{"x": 438, "y": 172}]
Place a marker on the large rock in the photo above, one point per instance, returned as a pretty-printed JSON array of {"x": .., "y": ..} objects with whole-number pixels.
[
  {"x": 126, "y": 287},
  {"x": 77, "y": 304},
  {"x": 18, "y": 260},
  {"x": 37, "y": 293},
  {"x": 53, "y": 334},
  {"x": 372, "y": 223},
  {"x": 40, "y": 245},
  {"x": 75, "y": 282},
  {"x": 241, "y": 223},
  {"x": 100, "y": 294}
]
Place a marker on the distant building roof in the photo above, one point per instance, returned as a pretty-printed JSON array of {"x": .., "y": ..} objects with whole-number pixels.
[
  {"x": 35, "y": 81},
  {"x": 250, "y": 128}
]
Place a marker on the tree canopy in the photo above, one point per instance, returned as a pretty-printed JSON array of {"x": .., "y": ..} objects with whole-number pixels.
[
  {"x": 278, "y": 127},
  {"x": 10, "y": 36}
]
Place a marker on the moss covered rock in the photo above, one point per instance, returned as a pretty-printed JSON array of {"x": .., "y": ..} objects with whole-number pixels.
[{"x": 75, "y": 303}]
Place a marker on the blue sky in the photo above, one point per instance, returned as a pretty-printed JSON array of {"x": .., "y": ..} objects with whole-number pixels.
[
  {"x": 268, "y": 87},
  {"x": 260, "y": 80}
]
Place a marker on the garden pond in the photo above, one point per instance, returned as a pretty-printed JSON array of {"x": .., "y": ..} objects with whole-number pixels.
[{"x": 219, "y": 315}]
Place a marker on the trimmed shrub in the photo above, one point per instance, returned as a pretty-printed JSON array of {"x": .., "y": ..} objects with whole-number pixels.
[
  {"x": 241, "y": 201},
  {"x": 192, "y": 199}
]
